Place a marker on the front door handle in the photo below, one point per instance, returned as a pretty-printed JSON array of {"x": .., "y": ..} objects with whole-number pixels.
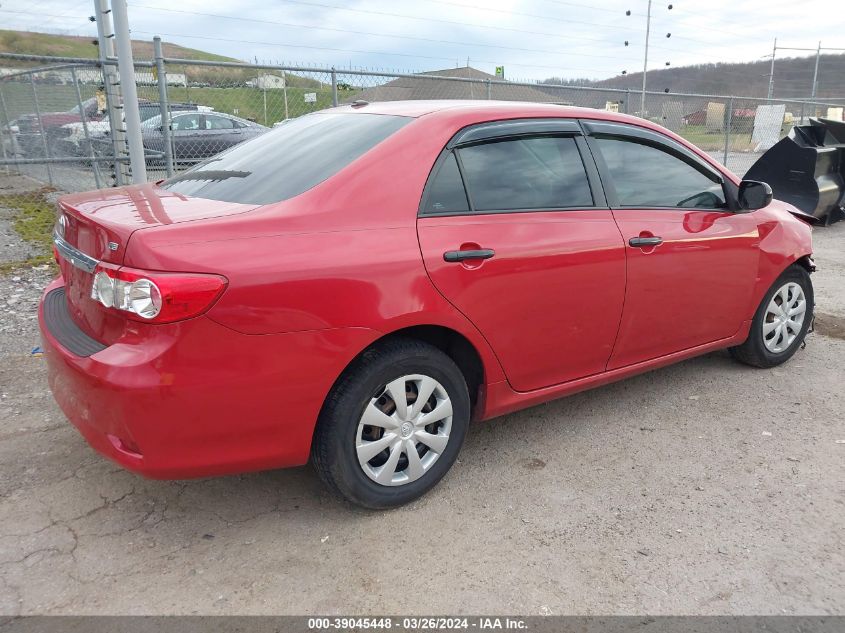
[
  {"x": 645, "y": 242},
  {"x": 459, "y": 256}
]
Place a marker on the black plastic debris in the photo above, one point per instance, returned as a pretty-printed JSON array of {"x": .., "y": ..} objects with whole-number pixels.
[{"x": 807, "y": 170}]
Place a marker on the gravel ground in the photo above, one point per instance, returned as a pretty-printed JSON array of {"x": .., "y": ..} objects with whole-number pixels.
[
  {"x": 703, "y": 488},
  {"x": 20, "y": 292},
  {"x": 12, "y": 247}
]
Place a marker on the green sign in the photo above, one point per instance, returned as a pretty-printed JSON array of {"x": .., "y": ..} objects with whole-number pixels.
[{"x": 500, "y": 72}]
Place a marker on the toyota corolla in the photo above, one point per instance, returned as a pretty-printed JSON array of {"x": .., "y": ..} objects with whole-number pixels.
[{"x": 357, "y": 285}]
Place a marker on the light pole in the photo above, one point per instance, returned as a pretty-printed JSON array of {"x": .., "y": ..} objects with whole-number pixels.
[
  {"x": 772, "y": 71},
  {"x": 818, "y": 50},
  {"x": 645, "y": 54},
  {"x": 816, "y": 71},
  {"x": 131, "y": 112},
  {"x": 645, "y": 58}
]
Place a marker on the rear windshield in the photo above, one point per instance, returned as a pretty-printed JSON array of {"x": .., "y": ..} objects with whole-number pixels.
[{"x": 288, "y": 160}]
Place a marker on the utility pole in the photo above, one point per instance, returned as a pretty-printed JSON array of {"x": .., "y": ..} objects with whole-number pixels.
[
  {"x": 645, "y": 58},
  {"x": 111, "y": 87},
  {"x": 772, "y": 71},
  {"x": 818, "y": 51},
  {"x": 132, "y": 114},
  {"x": 816, "y": 71}
]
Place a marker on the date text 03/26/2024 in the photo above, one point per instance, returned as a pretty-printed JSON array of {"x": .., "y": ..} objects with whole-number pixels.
[{"x": 416, "y": 623}]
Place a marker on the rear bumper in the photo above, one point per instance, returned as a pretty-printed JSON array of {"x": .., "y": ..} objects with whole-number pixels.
[{"x": 195, "y": 398}]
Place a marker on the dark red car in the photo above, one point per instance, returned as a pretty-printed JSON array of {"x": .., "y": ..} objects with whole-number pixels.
[
  {"x": 358, "y": 284},
  {"x": 31, "y": 126}
]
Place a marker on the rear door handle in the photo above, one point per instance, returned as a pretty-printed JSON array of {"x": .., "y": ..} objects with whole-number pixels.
[
  {"x": 642, "y": 242},
  {"x": 459, "y": 256}
]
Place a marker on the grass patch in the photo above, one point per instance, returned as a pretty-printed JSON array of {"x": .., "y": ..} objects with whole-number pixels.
[
  {"x": 33, "y": 219},
  {"x": 254, "y": 104},
  {"x": 712, "y": 141},
  {"x": 78, "y": 46},
  {"x": 39, "y": 260}
]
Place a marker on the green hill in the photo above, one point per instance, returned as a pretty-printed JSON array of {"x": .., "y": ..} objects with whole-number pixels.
[
  {"x": 76, "y": 46},
  {"x": 225, "y": 89},
  {"x": 793, "y": 78}
]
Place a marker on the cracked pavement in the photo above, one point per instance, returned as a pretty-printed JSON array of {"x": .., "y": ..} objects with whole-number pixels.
[{"x": 702, "y": 488}]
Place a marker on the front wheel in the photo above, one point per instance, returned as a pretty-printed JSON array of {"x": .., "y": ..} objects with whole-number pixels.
[
  {"x": 393, "y": 424},
  {"x": 781, "y": 321}
]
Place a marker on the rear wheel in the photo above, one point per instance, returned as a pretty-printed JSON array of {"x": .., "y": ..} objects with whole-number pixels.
[
  {"x": 781, "y": 321},
  {"x": 393, "y": 424}
]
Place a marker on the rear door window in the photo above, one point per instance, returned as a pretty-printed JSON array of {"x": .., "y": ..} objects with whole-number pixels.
[
  {"x": 218, "y": 122},
  {"x": 288, "y": 160},
  {"x": 526, "y": 173},
  {"x": 185, "y": 122}
]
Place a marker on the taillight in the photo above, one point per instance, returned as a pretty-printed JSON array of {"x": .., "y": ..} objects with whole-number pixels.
[{"x": 155, "y": 297}]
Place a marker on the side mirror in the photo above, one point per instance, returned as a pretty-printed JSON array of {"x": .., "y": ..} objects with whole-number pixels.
[{"x": 754, "y": 195}]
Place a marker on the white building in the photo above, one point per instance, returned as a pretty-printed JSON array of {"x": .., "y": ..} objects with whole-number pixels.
[{"x": 267, "y": 82}]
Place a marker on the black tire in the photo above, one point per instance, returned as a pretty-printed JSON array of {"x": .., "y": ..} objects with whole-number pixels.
[
  {"x": 333, "y": 450},
  {"x": 753, "y": 351}
]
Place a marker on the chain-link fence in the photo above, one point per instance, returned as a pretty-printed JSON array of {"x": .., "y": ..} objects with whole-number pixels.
[{"x": 62, "y": 127}]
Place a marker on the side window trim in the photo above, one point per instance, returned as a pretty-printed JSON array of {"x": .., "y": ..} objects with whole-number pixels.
[
  {"x": 597, "y": 187},
  {"x": 604, "y": 173},
  {"x": 467, "y": 191},
  {"x": 513, "y": 128},
  {"x": 594, "y": 182}
]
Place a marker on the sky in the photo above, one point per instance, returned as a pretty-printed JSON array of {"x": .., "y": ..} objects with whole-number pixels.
[{"x": 532, "y": 39}]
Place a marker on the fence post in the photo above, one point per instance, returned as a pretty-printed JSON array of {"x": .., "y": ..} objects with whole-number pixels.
[
  {"x": 161, "y": 71},
  {"x": 728, "y": 117},
  {"x": 489, "y": 90},
  {"x": 41, "y": 126},
  {"x": 801, "y": 117},
  {"x": 334, "y": 88},
  {"x": 285, "y": 91},
  {"x": 84, "y": 119},
  {"x": 627, "y": 100},
  {"x": 7, "y": 124}
]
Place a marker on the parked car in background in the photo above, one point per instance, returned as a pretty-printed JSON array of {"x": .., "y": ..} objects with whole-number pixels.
[
  {"x": 73, "y": 142},
  {"x": 358, "y": 284},
  {"x": 29, "y": 138},
  {"x": 197, "y": 135}
]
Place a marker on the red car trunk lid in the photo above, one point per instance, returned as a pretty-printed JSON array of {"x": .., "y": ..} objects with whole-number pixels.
[{"x": 99, "y": 225}]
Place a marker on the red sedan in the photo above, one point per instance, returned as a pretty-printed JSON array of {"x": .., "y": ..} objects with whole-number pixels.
[{"x": 358, "y": 284}]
